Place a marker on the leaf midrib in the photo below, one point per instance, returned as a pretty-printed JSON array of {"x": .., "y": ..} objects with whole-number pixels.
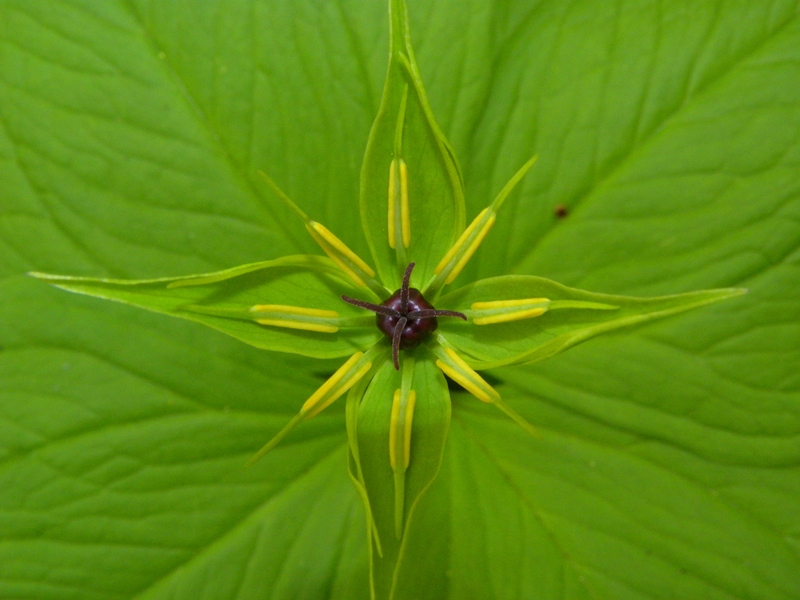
[
  {"x": 250, "y": 518},
  {"x": 736, "y": 510},
  {"x": 585, "y": 195},
  {"x": 195, "y": 109}
]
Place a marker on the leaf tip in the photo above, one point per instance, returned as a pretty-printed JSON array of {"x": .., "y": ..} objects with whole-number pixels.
[
  {"x": 41, "y": 276},
  {"x": 276, "y": 439},
  {"x": 725, "y": 293}
]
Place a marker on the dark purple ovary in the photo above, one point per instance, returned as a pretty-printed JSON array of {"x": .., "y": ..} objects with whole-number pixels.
[
  {"x": 406, "y": 317},
  {"x": 416, "y": 330}
]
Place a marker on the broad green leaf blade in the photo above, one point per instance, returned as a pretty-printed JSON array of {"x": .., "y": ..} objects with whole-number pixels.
[
  {"x": 668, "y": 140},
  {"x": 226, "y": 301},
  {"x": 431, "y": 421},
  {"x": 713, "y": 414},
  {"x": 574, "y": 316},
  {"x": 111, "y": 167},
  {"x": 616, "y": 512},
  {"x": 430, "y": 178},
  {"x": 124, "y": 440}
]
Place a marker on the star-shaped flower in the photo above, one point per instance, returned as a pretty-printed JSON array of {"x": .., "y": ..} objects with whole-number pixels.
[{"x": 398, "y": 399}]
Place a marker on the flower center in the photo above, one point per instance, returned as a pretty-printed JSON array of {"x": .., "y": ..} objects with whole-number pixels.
[
  {"x": 405, "y": 317},
  {"x": 416, "y": 328}
]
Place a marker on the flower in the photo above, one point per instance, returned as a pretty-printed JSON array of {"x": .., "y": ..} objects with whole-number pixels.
[{"x": 398, "y": 399}]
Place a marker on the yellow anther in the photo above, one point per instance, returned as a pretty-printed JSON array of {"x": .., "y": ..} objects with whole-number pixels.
[
  {"x": 392, "y": 202},
  {"x": 503, "y": 311},
  {"x": 345, "y": 377},
  {"x": 460, "y": 372},
  {"x": 513, "y": 316},
  {"x": 340, "y": 246},
  {"x": 341, "y": 381},
  {"x": 472, "y": 248},
  {"x": 338, "y": 252},
  {"x": 335, "y": 257},
  {"x": 296, "y": 310},
  {"x": 405, "y": 220},
  {"x": 304, "y": 325},
  {"x": 457, "y": 257},
  {"x": 507, "y": 303},
  {"x": 401, "y": 424},
  {"x": 466, "y": 245},
  {"x": 393, "y": 429},
  {"x": 295, "y": 317},
  {"x": 461, "y": 241},
  {"x": 412, "y": 401},
  {"x": 346, "y": 386}
]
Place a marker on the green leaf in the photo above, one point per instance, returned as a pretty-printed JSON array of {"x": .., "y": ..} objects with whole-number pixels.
[
  {"x": 226, "y": 301},
  {"x": 122, "y": 461},
  {"x": 572, "y": 316},
  {"x": 131, "y": 134},
  {"x": 431, "y": 421},
  {"x": 406, "y": 129},
  {"x": 639, "y": 504}
]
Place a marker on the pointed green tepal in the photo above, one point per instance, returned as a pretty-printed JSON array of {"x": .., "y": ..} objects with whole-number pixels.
[
  {"x": 396, "y": 452},
  {"x": 522, "y": 319},
  {"x": 290, "y": 304},
  {"x": 412, "y": 200}
]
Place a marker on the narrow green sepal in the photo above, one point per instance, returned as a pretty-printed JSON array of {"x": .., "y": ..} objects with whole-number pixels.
[
  {"x": 303, "y": 292},
  {"x": 580, "y": 316},
  {"x": 353, "y": 402},
  {"x": 349, "y": 263},
  {"x": 357, "y": 368},
  {"x": 459, "y": 254},
  {"x": 405, "y": 132},
  {"x": 276, "y": 439},
  {"x": 381, "y": 482}
]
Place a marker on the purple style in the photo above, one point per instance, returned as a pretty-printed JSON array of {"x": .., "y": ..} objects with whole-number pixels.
[{"x": 405, "y": 317}]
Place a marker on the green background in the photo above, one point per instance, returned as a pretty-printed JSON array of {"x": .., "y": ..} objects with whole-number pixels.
[{"x": 130, "y": 137}]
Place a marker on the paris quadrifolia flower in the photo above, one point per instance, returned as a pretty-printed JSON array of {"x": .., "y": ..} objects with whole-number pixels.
[{"x": 403, "y": 320}]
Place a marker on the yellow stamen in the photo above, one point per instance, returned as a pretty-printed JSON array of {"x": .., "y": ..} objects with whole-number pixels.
[
  {"x": 461, "y": 241},
  {"x": 457, "y": 257},
  {"x": 329, "y": 243},
  {"x": 392, "y": 192},
  {"x": 405, "y": 424},
  {"x": 276, "y": 313},
  {"x": 328, "y": 392},
  {"x": 340, "y": 246},
  {"x": 502, "y": 311},
  {"x": 472, "y": 248},
  {"x": 393, "y": 429},
  {"x": 304, "y": 325},
  {"x": 335, "y": 249},
  {"x": 335, "y": 258},
  {"x": 512, "y": 316},
  {"x": 405, "y": 220},
  {"x": 463, "y": 374},
  {"x": 338, "y": 384},
  {"x": 346, "y": 386},
  {"x": 296, "y": 310},
  {"x": 412, "y": 401},
  {"x": 400, "y": 444},
  {"x": 507, "y": 303}
]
